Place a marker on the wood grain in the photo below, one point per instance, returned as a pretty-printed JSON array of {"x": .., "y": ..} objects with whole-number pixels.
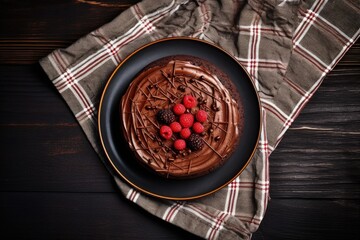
[
  {"x": 88, "y": 216},
  {"x": 52, "y": 184},
  {"x": 101, "y": 216},
  {"x": 32, "y": 29},
  {"x": 318, "y": 157},
  {"x": 310, "y": 219}
]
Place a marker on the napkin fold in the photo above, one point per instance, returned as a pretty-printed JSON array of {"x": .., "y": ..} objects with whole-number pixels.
[{"x": 287, "y": 47}]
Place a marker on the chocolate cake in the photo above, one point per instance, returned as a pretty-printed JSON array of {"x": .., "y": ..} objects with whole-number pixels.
[{"x": 182, "y": 117}]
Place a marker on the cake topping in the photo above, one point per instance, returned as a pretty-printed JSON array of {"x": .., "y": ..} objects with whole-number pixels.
[
  {"x": 185, "y": 133},
  {"x": 175, "y": 127},
  {"x": 189, "y": 101},
  {"x": 186, "y": 120},
  {"x": 166, "y": 132},
  {"x": 179, "y": 109},
  {"x": 195, "y": 142},
  {"x": 165, "y": 116},
  {"x": 184, "y": 127},
  {"x": 179, "y": 119},
  {"x": 179, "y": 144},
  {"x": 198, "y": 127},
  {"x": 201, "y": 116}
]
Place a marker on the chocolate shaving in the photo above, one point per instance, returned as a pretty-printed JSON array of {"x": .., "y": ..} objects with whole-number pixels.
[
  {"x": 213, "y": 149},
  {"x": 167, "y": 78}
]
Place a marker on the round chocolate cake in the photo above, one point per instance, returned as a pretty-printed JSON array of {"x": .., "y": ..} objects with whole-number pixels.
[{"x": 182, "y": 117}]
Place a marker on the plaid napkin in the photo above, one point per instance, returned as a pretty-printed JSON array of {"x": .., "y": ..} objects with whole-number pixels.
[{"x": 287, "y": 47}]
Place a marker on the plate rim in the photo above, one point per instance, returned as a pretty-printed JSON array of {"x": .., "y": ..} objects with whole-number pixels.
[{"x": 104, "y": 148}]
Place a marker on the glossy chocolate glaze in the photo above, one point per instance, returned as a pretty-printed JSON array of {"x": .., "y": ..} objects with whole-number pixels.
[{"x": 162, "y": 86}]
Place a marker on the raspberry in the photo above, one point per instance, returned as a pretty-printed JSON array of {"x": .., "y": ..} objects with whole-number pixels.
[
  {"x": 165, "y": 116},
  {"x": 195, "y": 142},
  {"x": 198, "y": 127},
  {"x": 175, "y": 127},
  {"x": 165, "y": 132},
  {"x": 186, "y": 120},
  {"x": 179, "y": 109},
  {"x": 189, "y": 101},
  {"x": 179, "y": 144},
  {"x": 201, "y": 116},
  {"x": 185, "y": 133}
]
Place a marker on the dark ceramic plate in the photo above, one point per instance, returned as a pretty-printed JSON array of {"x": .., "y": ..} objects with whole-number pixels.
[{"x": 118, "y": 152}]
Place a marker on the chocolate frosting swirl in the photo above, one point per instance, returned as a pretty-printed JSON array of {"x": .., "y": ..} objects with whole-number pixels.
[{"x": 161, "y": 86}]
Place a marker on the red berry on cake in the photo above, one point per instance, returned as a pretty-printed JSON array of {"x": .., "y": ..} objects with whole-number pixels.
[
  {"x": 165, "y": 132},
  {"x": 201, "y": 116},
  {"x": 186, "y": 120},
  {"x": 198, "y": 127},
  {"x": 179, "y": 109},
  {"x": 175, "y": 127},
  {"x": 185, "y": 133},
  {"x": 189, "y": 101},
  {"x": 179, "y": 144}
]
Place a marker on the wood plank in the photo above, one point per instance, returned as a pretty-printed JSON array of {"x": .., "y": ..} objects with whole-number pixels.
[
  {"x": 43, "y": 147},
  {"x": 50, "y": 158},
  {"x": 80, "y": 216},
  {"x": 32, "y": 29},
  {"x": 101, "y": 216},
  {"x": 299, "y": 219},
  {"x": 318, "y": 156}
]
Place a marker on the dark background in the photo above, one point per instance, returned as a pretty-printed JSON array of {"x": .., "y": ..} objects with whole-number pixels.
[{"x": 53, "y": 186}]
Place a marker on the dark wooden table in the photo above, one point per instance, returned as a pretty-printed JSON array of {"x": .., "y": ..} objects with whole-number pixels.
[{"x": 53, "y": 186}]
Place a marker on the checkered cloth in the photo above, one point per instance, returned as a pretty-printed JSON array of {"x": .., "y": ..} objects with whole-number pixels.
[{"x": 287, "y": 47}]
